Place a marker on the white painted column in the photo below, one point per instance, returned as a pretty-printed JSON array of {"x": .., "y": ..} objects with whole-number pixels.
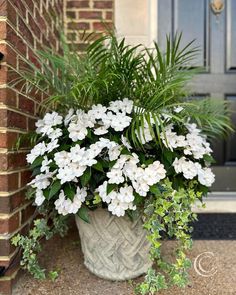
[{"x": 136, "y": 20}]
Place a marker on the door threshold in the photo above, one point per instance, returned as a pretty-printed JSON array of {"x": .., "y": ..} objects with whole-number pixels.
[{"x": 217, "y": 202}]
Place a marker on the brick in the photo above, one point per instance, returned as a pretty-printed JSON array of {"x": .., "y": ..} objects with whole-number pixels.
[
  {"x": 6, "y": 287},
  {"x": 109, "y": 15},
  {"x": 25, "y": 104},
  {"x": 10, "y": 203},
  {"x": 9, "y": 182},
  {"x": 3, "y": 75},
  {"x": 9, "y": 54},
  {"x": 30, "y": 5},
  {"x": 103, "y": 4},
  {"x": 31, "y": 124},
  {"x": 98, "y": 26},
  {"x": 40, "y": 21},
  {"x": 90, "y": 14},
  {"x": 25, "y": 32},
  {"x": 11, "y": 14},
  {"x": 9, "y": 225},
  {"x": 3, "y": 7},
  {"x": 3, "y": 30},
  {"x": 17, "y": 160},
  {"x": 24, "y": 177},
  {"x": 34, "y": 26},
  {"x": 20, "y": 8},
  {"x": 77, "y": 4},
  {"x": 16, "y": 41},
  {"x": 71, "y": 14},
  {"x": 12, "y": 119},
  {"x": 6, "y": 248},
  {"x": 8, "y": 97},
  {"x": 12, "y": 161},
  {"x": 78, "y": 26},
  {"x": 8, "y": 139}
]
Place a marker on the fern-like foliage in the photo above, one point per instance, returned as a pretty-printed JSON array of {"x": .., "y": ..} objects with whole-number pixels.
[{"x": 109, "y": 69}]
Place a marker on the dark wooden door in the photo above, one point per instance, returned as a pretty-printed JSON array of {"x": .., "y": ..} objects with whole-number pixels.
[{"x": 215, "y": 34}]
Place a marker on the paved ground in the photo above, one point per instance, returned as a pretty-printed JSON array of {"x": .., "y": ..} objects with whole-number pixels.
[{"x": 214, "y": 273}]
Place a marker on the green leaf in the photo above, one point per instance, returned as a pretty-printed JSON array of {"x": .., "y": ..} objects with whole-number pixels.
[
  {"x": 155, "y": 190},
  {"x": 83, "y": 214},
  {"x": 98, "y": 166},
  {"x": 86, "y": 177},
  {"x": 209, "y": 158},
  {"x": 53, "y": 275},
  {"x": 36, "y": 171},
  {"x": 69, "y": 191},
  {"x": 37, "y": 162},
  {"x": 97, "y": 199},
  {"x": 111, "y": 187},
  {"x": 54, "y": 188}
]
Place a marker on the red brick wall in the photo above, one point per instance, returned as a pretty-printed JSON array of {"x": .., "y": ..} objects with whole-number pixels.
[
  {"x": 24, "y": 26},
  {"x": 89, "y": 15}
]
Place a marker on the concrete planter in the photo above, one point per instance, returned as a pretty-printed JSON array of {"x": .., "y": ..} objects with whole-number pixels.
[{"x": 114, "y": 247}]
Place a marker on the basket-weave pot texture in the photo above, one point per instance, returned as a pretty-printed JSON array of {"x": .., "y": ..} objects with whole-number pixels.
[{"x": 115, "y": 248}]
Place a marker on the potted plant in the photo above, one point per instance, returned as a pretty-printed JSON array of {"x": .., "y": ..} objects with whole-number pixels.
[{"x": 124, "y": 148}]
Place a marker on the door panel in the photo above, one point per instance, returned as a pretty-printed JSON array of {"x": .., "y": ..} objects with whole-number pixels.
[
  {"x": 216, "y": 36},
  {"x": 231, "y": 36}
]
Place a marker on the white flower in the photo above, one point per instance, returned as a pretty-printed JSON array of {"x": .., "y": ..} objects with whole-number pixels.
[
  {"x": 114, "y": 151},
  {"x": 189, "y": 168},
  {"x": 117, "y": 207},
  {"x": 65, "y": 174},
  {"x": 115, "y": 176},
  {"x": 52, "y": 145},
  {"x": 154, "y": 173},
  {"x": 100, "y": 130},
  {"x": 97, "y": 111},
  {"x": 77, "y": 131},
  {"x": 120, "y": 121},
  {"x": 77, "y": 153},
  {"x": 206, "y": 176},
  {"x": 95, "y": 149},
  {"x": 81, "y": 194},
  {"x": 45, "y": 165},
  {"x": 77, "y": 170},
  {"x": 126, "y": 194},
  {"x": 62, "y": 158},
  {"x": 39, "y": 197},
  {"x": 38, "y": 150},
  {"x": 102, "y": 191},
  {"x": 52, "y": 119},
  {"x": 127, "y": 105},
  {"x": 115, "y": 106},
  {"x": 56, "y": 133},
  {"x": 41, "y": 181},
  {"x": 88, "y": 158}
]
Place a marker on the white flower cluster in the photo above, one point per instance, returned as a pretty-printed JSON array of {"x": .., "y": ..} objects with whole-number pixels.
[
  {"x": 126, "y": 169},
  {"x": 193, "y": 143},
  {"x": 118, "y": 201},
  {"x": 126, "y": 175},
  {"x": 191, "y": 169},
  {"x": 100, "y": 119},
  {"x": 66, "y": 206}
]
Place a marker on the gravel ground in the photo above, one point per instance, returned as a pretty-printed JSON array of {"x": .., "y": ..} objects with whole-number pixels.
[{"x": 214, "y": 272}]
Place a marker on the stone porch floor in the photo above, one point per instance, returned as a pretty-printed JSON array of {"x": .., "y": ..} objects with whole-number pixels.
[{"x": 65, "y": 254}]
